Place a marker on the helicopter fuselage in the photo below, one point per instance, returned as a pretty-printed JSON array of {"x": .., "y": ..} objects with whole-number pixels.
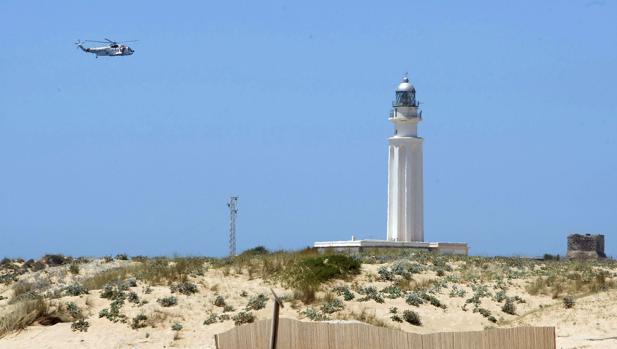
[{"x": 111, "y": 50}]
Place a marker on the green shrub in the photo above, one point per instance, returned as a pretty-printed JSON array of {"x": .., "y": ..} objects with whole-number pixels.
[
  {"x": 509, "y": 307},
  {"x": 122, "y": 257},
  {"x": 211, "y": 319},
  {"x": 484, "y": 312},
  {"x": 412, "y": 317},
  {"x": 257, "y": 302},
  {"x": 393, "y": 310},
  {"x": 414, "y": 299},
  {"x": 73, "y": 310},
  {"x": 392, "y": 292},
  {"x": 396, "y": 318},
  {"x": 185, "y": 288},
  {"x": 167, "y": 301},
  {"x": 75, "y": 290},
  {"x": 113, "y": 313},
  {"x": 133, "y": 297},
  {"x": 345, "y": 292},
  {"x": 500, "y": 296},
  {"x": 74, "y": 268},
  {"x": 370, "y": 292},
  {"x": 457, "y": 292},
  {"x": 255, "y": 251},
  {"x": 314, "y": 315},
  {"x": 139, "y": 321},
  {"x": 385, "y": 274},
  {"x": 332, "y": 306},
  {"x": 176, "y": 327},
  {"x": 243, "y": 317},
  {"x": 307, "y": 274},
  {"x": 219, "y": 301},
  {"x": 568, "y": 302},
  {"x": 80, "y": 325}
]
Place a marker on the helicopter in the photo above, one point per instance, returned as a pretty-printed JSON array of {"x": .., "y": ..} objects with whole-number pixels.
[{"x": 113, "y": 48}]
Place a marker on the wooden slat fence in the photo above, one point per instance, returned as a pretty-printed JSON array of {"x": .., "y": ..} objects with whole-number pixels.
[{"x": 295, "y": 334}]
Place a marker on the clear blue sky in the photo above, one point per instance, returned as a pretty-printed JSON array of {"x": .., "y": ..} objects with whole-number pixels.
[{"x": 286, "y": 105}]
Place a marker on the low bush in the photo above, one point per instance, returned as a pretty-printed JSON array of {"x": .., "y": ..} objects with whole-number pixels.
[
  {"x": 396, "y": 318},
  {"x": 370, "y": 292},
  {"x": 414, "y": 299},
  {"x": 213, "y": 318},
  {"x": 167, "y": 301},
  {"x": 568, "y": 302},
  {"x": 257, "y": 302},
  {"x": 186, "y": 288},
  {"x": 255, "y": 251},
  {"x": 75, "y": 290},
  {"x": 412, "y": 317},
  {"x": 219, "y": 301},
  {"x": 307, "y": 274},
  {"x": 243, "y": 317},
  {"x": 345, "y": 292},
  {"x": 332, "y": 306},
  {"x": 509, "y": 307},
  {"x": 314, "y": 315},
  {"x": 132, "y": 297},
  {"x": 74, "y": 268},
  {"x": 80, "y": 325},
  {"x": 73, "y": 310},
  {"x": 139, "y": 321}
]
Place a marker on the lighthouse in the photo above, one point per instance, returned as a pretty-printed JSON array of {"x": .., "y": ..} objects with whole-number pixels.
[
  {"x": 405, "y": 230},
  {"x": 405, "y": 193}
]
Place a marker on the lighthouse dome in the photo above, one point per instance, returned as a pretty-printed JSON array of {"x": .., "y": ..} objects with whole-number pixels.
[{"x": 405, "y": 86}]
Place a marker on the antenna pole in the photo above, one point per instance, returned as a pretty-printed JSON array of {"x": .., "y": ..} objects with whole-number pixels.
[{"x": 233, "y": 211}]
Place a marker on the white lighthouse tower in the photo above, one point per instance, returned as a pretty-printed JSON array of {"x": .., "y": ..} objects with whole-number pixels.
[
  {"x": 405, "y": 202},
  {"x": 405, "y": 192}
]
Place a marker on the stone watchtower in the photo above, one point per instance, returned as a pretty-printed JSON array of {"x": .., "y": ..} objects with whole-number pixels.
[{"x": 586, "y": 246}]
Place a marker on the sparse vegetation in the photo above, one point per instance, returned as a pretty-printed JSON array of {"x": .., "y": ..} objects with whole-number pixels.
[
  {"x": 139, "y": 321},
  {"x": 243, "y": 317},
  {"x": 412, "y": 317},
  {"x": 167, "y": 301},
  {"x": 74, "y": 268},
  {"x": 568, "y": 302},
  {"x": 186, "y": 288},
  {"x": 332, "y": 306},
  {"x": 509, "y": 307},
  {"x": 219, "y": 301},
  {"x": 306, "y": 275},
  {"x": 80, "y": 325},
  {"x": 75, "y": 290},
  {"x": 257, "y": 302}
]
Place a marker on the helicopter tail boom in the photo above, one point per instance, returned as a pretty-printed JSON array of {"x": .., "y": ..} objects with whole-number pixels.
[{"x": 79, "y": 45}]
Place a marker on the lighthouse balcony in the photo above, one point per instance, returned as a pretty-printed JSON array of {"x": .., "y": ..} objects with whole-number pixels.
[{"x": 408, "y": 113}]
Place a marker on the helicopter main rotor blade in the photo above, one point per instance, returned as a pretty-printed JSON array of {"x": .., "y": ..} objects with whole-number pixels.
[
  {"x": 111, "y": 42},
  {"x": 101, "y": 42},
  {"x": 127, "y": 41}
]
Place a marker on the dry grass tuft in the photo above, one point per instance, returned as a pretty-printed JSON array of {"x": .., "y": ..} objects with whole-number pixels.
[
  {"x": 22, "y": 314},
  {"x": 364, "y": 316}
]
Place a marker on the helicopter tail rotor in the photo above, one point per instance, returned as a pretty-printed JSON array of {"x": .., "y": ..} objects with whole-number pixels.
[{"x": 79, "y": 45}]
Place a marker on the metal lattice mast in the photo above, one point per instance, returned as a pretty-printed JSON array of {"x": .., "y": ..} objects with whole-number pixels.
[{"x": 233, "y": 211}]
